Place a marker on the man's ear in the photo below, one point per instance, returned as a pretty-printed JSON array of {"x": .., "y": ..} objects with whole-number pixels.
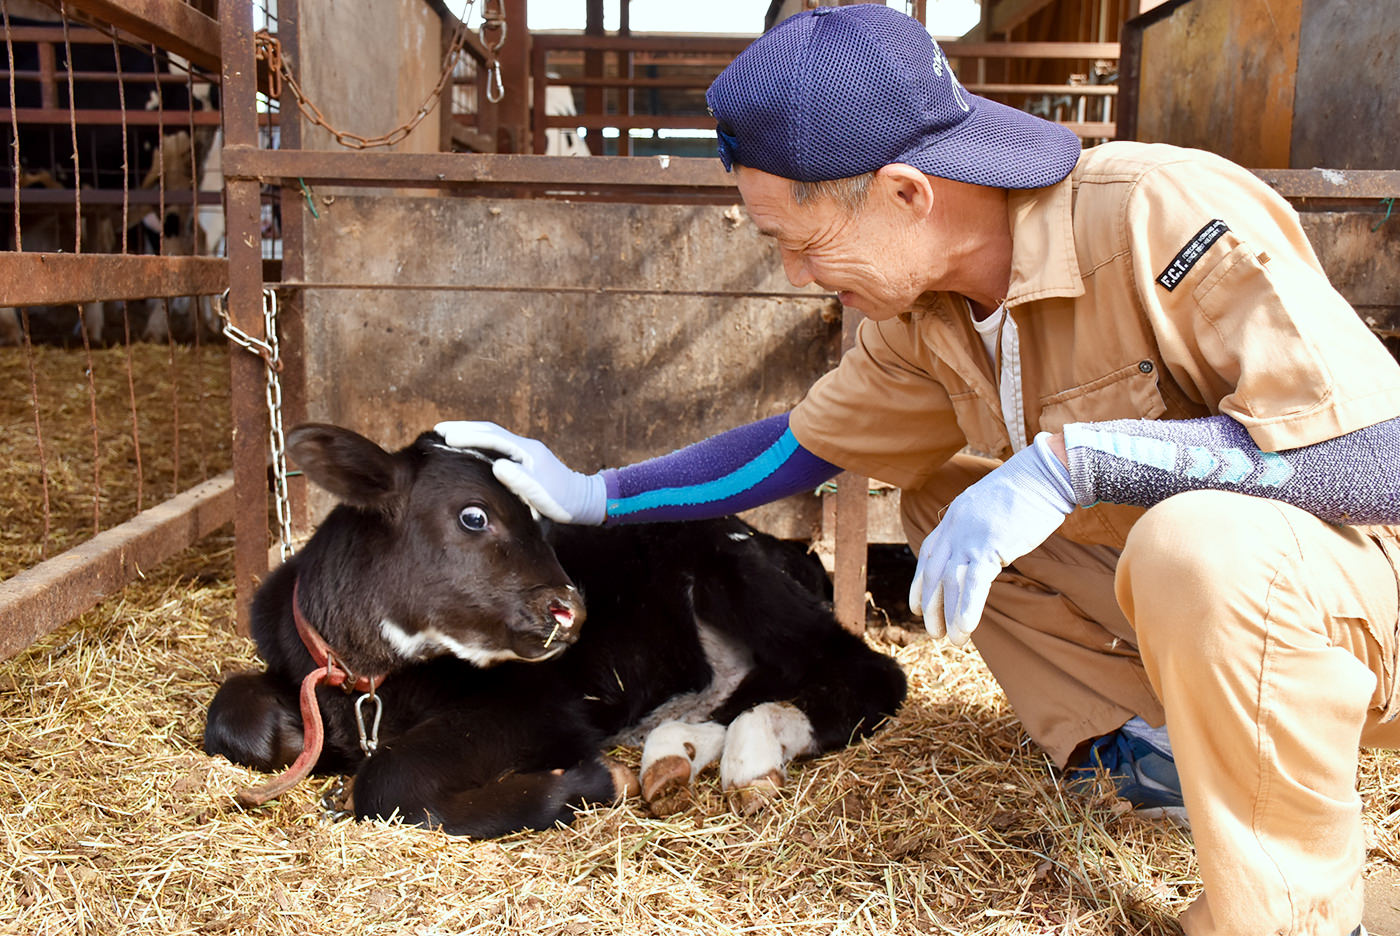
[{"x": 910, "y": 189}]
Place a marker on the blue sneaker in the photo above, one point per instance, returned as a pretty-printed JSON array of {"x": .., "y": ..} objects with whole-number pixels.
[{"x": 1143, "y": 773}]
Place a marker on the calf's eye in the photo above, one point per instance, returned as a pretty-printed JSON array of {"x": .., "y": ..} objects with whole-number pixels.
[{"x": 473, "y": 519}]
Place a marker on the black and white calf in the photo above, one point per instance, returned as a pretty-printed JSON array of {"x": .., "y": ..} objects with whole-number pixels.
[{"x": 708, "y": 639}]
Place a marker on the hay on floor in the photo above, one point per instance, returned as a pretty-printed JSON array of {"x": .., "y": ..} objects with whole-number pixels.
[{"x": 946, "y": 821}]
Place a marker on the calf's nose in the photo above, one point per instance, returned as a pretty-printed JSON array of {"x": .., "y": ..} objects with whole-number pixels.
[{"x": 567, "y": 609}]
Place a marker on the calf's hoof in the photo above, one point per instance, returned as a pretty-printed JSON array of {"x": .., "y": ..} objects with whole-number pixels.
[
  {"x": 756, "y": 795},
  {"x": 666, "y": 785},
  {"x": 624, "y": 780}
]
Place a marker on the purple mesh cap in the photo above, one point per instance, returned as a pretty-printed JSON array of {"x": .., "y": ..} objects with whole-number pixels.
[{"x": 840, "y": 91}]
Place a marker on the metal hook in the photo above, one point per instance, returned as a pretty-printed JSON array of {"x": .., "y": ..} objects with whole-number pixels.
[
  {"x": 495, "y": 87},
  {"x": 369, "y": 740}
]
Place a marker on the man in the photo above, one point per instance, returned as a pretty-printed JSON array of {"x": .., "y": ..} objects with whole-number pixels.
[{"x": 1054, "y": 341}]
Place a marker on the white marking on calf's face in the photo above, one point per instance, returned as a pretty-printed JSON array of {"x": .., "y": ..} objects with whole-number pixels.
[
  {"x": 762, "y": 740},
  {"x": 431, "y": 642}
]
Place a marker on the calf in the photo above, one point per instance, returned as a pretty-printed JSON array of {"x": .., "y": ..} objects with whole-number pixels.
[{"x": 440, "y": 592}]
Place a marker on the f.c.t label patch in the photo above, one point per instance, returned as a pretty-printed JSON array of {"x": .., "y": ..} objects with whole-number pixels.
[{"x": 1176, "y": 271}]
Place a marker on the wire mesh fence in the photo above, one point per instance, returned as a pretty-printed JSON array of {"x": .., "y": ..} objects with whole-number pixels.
[{"x": 110, "y": 342}]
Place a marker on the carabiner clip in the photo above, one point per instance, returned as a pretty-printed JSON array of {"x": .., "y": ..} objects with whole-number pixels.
[{"x": 369, "y": 740}]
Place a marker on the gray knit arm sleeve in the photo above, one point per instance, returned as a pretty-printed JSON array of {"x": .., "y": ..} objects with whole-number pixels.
[{"x": 1352, "y": 479}]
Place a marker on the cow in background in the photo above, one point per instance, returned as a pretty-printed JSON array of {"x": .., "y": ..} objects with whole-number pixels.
[{"x": 45, "y": 160}]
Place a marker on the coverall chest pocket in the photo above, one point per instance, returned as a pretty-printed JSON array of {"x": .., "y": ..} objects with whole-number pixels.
[
  {"x": 1130, "y": 392},
  {"x": 981, "y": 426}
]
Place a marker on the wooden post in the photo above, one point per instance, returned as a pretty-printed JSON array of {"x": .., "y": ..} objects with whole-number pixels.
[
  {"x": 594, "y": 99},
  {"x": 515, "y": 76},
  {"x": 295, "y": 215},
  {"x": 849, "y": 519}
]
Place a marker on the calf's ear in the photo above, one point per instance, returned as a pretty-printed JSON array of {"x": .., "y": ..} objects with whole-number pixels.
[{"x": 347, "y": 464}]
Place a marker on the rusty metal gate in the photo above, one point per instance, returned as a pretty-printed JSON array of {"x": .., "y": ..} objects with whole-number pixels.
[{"x": 102, "y": 202}]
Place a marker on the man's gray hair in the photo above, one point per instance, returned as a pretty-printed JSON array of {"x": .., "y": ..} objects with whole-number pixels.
[{"x": 850, "y": 192}]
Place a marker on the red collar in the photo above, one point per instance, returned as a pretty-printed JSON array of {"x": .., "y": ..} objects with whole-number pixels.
[
  {"x": 337, "y": 673},
  {"x": 328, "y": 670}
]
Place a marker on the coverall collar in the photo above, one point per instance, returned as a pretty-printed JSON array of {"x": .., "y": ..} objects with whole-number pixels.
[{"x": 1043, "y": 260}]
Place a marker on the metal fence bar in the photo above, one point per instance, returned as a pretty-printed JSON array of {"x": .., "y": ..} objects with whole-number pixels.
[
  {"x": 42, "y": 598},
  {"x": 56, "y": 278},
  {"x": 33, "y": 197},
  {"x": 62, "y": 116},
  {"x": 457, "y": 170},
  {"x": 245, "y": 306},
  {"x": 24, "y": 313},
  {"x": 447, "y": 170},
  {"x": 670, "y": 45},
  {"x": 171, "y": 24},
  {"x": 1031, "y": 50}
]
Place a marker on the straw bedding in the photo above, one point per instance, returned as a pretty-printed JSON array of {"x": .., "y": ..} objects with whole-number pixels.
[{"x": 946, "y": 821}]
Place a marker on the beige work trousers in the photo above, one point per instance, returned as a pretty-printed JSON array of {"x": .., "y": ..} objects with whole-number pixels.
[{"x": 1265, "y": 637}]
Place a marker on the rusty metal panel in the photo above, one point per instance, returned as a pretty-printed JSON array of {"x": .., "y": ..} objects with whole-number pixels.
[
  {"x": 607, "y": 376},
  {"x": 46, "y": 596},
  {"x": 371, "y": 65},
  {"x": 1361, "y": 254},
  {"x": 1351, "y": 219},
  {"x": 1348, "y": 91},
  {"x": 1219, "y": 75},
  {"x": 54, "y": 278}
]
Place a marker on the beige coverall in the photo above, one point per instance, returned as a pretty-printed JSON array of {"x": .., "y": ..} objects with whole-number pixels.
[{"x": 1263, "y": 636}]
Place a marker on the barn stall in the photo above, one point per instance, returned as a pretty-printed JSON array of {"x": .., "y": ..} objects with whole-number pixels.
[{"x": 618, "y": 307}]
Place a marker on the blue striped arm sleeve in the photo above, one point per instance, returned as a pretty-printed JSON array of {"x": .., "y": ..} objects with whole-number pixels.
[{"x": 724, "y": 474}]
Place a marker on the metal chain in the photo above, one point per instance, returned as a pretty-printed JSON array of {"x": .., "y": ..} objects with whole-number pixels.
[
  {"x": 268, "y": 350},
  {"x": 335, "y": 798},
  {"x": 269, "y": 48}
]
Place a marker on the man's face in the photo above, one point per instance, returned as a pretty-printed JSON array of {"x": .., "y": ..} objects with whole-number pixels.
[{"x": 867, "y": 257}]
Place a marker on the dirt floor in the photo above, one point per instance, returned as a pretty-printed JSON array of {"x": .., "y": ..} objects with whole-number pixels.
[{"x": 948, "y": 820}]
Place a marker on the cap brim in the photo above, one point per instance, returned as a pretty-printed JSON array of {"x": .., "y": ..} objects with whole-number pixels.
[{"x": 998, "y": 146}]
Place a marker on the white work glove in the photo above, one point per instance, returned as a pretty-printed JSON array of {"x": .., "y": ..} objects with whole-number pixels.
[
  {"x": 988, "y": 526},
  {"x": 533, "y": 472}
]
